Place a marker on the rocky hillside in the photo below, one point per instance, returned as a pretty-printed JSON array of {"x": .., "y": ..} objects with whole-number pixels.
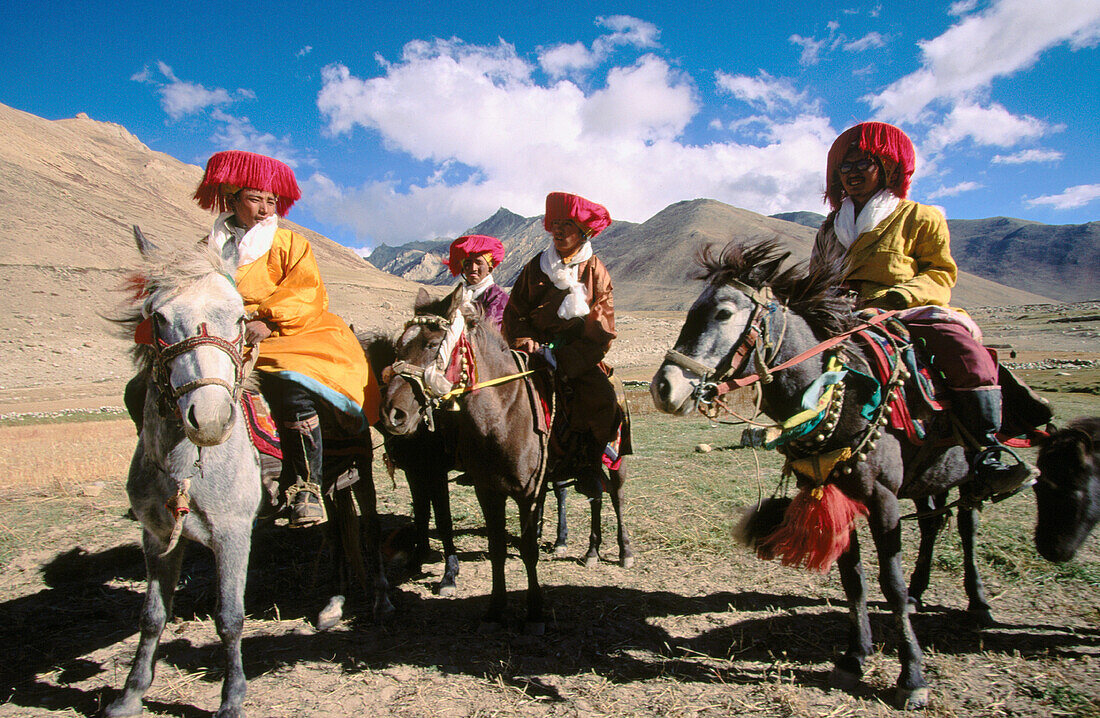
[
  {"x": 69, "y": 192},
  {"x": 653, "y": 262}
]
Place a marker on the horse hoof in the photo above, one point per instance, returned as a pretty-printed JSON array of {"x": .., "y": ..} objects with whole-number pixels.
[
  {"x": 447, "y": 590},
  {"x": 487, "y": 627},
  {"x": 331, "y": 614},
  {"x": 383, "y": 607},
  {"x": 627, "y": 562},
  {"x": 913, "y": 605},
  {"x": 121, "y": 709},
  {"x": 911, "y": 698},
  {"x": 234, "y": 712},
  {"x": 592, "y": 560},
  {"x": 534, "y": 628},
  {"x": 843, "y": 680},
  {"x": 561, "y": 551},
  {"x": 983, "y": 617}
]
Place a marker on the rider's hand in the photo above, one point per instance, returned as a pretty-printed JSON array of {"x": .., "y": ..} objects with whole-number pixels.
[
  {"x": 256, "y": 331},
  {"x": 527, "y": 344}
]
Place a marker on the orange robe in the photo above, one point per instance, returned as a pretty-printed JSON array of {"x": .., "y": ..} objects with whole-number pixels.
[{"x": 310, "y": 344}]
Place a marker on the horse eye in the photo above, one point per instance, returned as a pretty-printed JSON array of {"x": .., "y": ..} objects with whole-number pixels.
[{"x": 723, "y": 315}]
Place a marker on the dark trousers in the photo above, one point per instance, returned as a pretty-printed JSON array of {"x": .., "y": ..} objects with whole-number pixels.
[{"x": 955, "y": 353}]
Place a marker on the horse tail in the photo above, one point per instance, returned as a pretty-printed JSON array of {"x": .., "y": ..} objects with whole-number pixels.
[
  {"x": 815, "y": 531},
  {"x": 760, "y": 521}
]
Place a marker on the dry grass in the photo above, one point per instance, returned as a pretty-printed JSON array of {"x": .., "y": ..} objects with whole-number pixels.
[{"x": 64, "y": 457}]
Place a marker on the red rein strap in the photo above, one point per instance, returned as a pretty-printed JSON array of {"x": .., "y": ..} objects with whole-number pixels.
[{"x": 732, "y": 384}]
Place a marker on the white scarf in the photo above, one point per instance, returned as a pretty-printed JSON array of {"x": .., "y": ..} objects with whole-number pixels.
[
  {"x": 847, "y": 226},
  {"x": 255, "y": 243},
  {"x": 565, "y": 276},
  {"x": 470, "y": 292}
]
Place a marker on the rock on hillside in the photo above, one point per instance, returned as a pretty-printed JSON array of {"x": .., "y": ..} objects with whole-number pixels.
[
  {"x": 1059, "y": 261},
  {"x": 69, "y": 192}
]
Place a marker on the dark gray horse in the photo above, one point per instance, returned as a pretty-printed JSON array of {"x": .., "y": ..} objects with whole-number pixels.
[
  {"x": 752, "y": 315},
  {"x": 493, "y": 432},
  {"x": 195, "y": 474},
  {"x": 1068, "y": 490}
]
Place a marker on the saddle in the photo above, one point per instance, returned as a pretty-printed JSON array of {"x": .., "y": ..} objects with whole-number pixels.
[{"x": 889, "y": 343}]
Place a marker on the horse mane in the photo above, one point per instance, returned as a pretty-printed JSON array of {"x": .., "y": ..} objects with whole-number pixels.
[
  {"x": 483, "y": 334},
  {"x": 165, "y": 272},
  {"x": 814, "y": 293}
]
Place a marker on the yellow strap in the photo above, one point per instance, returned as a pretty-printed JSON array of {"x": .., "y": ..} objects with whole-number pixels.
[
  {"x": 492, "y": 382},
  {"x": 827, "y": 396},
  {"x": 817, "y": 468}
]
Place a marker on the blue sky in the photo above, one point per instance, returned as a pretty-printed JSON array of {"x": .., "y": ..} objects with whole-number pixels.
[{"x": 416, "y": 120}]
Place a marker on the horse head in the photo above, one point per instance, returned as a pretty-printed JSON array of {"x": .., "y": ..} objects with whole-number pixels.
[
  {"x": 722, "y": 328},
  {"x": 417, "y": 380},
  {"x": 192, "y": 329},
  {"x": 1067, "y": 493}
]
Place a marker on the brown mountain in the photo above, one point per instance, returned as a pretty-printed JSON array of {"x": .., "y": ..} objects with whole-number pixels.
[
  {"x": 652, "y": 263},
  {"x": 69, "y": 192}
]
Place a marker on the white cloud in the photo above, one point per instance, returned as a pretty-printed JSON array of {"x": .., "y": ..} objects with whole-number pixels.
[
  {"x": 570, "y": 58},
  {"x": 962, "y": 7},
  {"x": 1026, "y": 156},
  {"x": 237, "y": 133},
  {"x": 1071, "y": 198},
  {"x": 954, "y": 190},
  {"x": 1007, "y": 37},
  {"x": 763, "y": 91},
  {"x": 993, "y": 125},
  {"x": 516, "y": 139},
  {"x": 304, "y": 51},
  {"x": 867, "y": 42},
  {"x": 563, "y": 60},
  {"x": 811, "y": 48},
  {"x": 179, "y": 97}
]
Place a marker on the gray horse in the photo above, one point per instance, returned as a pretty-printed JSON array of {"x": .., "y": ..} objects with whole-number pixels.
[
  {"x": 751, "y": 315},
  {"x": 195, "y": 474}
]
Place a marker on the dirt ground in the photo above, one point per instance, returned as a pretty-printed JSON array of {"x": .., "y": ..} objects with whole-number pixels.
[{"x": 696, "y": 628}]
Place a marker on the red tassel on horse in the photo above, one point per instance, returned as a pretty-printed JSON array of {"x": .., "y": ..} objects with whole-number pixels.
[{"x": 815, "y": 531}]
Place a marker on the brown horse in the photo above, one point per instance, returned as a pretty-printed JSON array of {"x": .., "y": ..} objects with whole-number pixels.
[
  {"x": 1068, "y": 490},
  {"x": 493, "y": 432}
]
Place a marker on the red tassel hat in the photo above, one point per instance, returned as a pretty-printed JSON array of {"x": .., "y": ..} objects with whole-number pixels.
[
  {"x": 229, "y": 171},
  {"x": 884, "y": 141},
  {"x": 593, "y": 218},
  {"x": 473, "y": 245}
]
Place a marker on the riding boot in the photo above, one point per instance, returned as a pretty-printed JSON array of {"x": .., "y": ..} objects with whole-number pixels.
[
  {"x": 979, "y": 411},
  {"x": 589, "y": 469},
  {"x": 302, "y": 448}
]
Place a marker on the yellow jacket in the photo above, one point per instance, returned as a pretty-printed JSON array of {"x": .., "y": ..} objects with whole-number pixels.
[
  {"x": 284, "y": 287},
  {"x": 908, "y": 252}
]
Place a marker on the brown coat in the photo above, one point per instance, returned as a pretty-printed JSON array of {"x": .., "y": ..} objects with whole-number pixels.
[{"x": 579, "y": 344}]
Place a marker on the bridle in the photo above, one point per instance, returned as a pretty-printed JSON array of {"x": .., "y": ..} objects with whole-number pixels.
[
  {"x": 164, "y": 353},
  {"x": 429, "y": 383},
  {"x": 754, "y": 340}
]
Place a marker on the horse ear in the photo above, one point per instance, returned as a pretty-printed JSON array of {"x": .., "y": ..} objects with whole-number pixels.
[
  {"x": 766, "y": 272},
  {"x": 143, "y": 244},
  {"x": 422, "y": 298},
  {"x": 454, "y": 302}
]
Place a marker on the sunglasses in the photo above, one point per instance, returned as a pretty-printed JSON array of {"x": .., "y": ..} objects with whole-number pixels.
[{"x": 861, "y": 165}]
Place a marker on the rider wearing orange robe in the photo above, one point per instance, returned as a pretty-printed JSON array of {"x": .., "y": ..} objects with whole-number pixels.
[
  {"x": 896, "y": 254},
  {"x": 561, "y": 308},
  {"x": 307, "y": 354}
]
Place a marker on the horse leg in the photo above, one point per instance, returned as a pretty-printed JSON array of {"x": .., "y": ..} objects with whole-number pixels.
[
  {"x": 492, "y": 508},
  {"x": 849, "y": 667},
  {"x": 969, "y": 521},
  {"x": 930, "y": 528},
  {"x": 535, "y": 625},
  {"x": 422, "y": 514},
  {"x": 561, "y": 491},
  {"x": 344, "y": 537},
  {"x": 618, "y": 501},
  {"x": 163, "y": 574},
  {"x": 367, "y": 498},
  {"x": 441, "y": 505},
  {"x": 595, "y": 531},
  {"x": 911, "y": 691},
  {"x": 231, "y": 561}
]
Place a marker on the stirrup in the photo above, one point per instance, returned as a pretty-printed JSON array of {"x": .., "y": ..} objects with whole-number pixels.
[
  {"x": 1009, "y": 480},
  {"x": 306, "y": 507}
]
